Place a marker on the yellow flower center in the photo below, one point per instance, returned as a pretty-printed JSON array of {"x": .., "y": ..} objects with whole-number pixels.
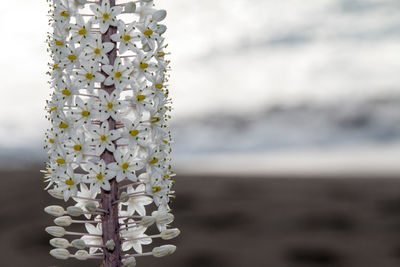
[
  {"x": 110, "y": 105},
  {"x": 166, "y": 176},
  {"x": 51, "y": 140},
  {"x": 165, "y": 141},
  {"x": 72, "y": 57},
  {"x": 143, "y": 65},
  {"x": 85, "y": 113},
  {"x": 100, "y": 176},
  {"x": 55, "y": 66},
  {"x": 63, "y": 125},
  {"x": 64, "y": 14},
  {"x": 155, "y": 119},
  {"x": 97, "y": 51},
  {"x": 133, "y": 133},
  {"x": 148, "y": 32},
  {"x": 66, "y": 92},
  {"x": 125, "y": 166},
  {"x": 59, "y": 43},
  {"x": 118, "y": 75},
  {"x": 156, "y": 189},
  {"x": 53, "y": 109},
  {"x": 106, "y": 16},
  {"x": 82, "y": 31},
  {"x": 69, "y": 182},
  {"x": 126, "y": 37},
  {"x": 154, "y": 161},
  {"x": 89, "y": 76},
  {"x": 60, "y": 161},
  {"x": 159, "y": 86},
  {"x": 103, "y": 138},
  {"x": 140, "y": 97},
  {"x": 78, "y": 147}
]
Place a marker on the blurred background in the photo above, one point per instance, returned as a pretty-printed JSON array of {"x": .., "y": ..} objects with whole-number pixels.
[{"x": 286, "y": 126}]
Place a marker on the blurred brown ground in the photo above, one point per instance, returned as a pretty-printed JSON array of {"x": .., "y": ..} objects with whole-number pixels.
[{"x": 236, "y": 222}]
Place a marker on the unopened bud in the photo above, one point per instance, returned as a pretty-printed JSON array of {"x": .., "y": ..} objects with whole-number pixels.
[
  {"x": 110, "y": 245},
  {"x": 159, "y": 15},
  {"x": 130, "y": 7},
  {"x": 129, "y": 262},
  {"x": 60, "y": 253},
  {"x": 124, "y": 197},
  {"x": 55, "y": 231},
  {"x": 163, "y": 251},
  {"x": 147, "y": 221},
  {"x": 56, "y": 211},
  {"x": 91, "y": 206},
  {"x": 170, "y": 233},
  {"x": 59, "y": 243},
  {"x": 161, "y": 29},
  {"x": 81, "y": 255},
  {"x": 63, "y": 221},
  {"x": 81, "y": 2},
  {"x": 74, "y": 211},
  {"x": 78, "y": 243},
  {"x": 56, "y": 194},
  {"x": 163, "y": 217}
]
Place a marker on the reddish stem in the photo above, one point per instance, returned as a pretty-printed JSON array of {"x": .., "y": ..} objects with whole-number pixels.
[{"x": 110, "y": 224}]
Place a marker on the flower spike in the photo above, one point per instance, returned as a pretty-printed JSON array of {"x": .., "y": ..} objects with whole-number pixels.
[{"x": 109, "y": 142}]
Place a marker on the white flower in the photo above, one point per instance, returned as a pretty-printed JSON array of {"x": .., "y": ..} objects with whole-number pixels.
[
  {"x": 137, "y": 203},
  {"x": 85, "y": 195},
  {"x": 141, "y": 98},
  {"x": 103, "y": 138},
  {"x": 142, "y": 65},
  {"x": 126, "y": 37},
  {"x": 133, "y": 233},
  {"x": 89, "y": 74},
  {"x": 105, "y": 15},
  {"x": 71, "y": 56},
  {"x": 68, "y": 182},
  {"x": 80, "y": 32},
  {"x": 93, "y": 240},
  {"x": 134, "y": 133},
  {"x": 149, "y": 34},
  {"x": 125, "y": 166},
  {"x": 117, "y": 74},
  {"x": 96, "y": 50},
  {"x": 84, "y": 112},
  {"x": 67, "y": 89},
  {"x": 77, "y": 147},
  {"x": 109, "y": 105},
  {"x": 99, "y": 176}
]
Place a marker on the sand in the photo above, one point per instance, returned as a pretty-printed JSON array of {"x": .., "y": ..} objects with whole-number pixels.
[{"x": 236, "y": 222}]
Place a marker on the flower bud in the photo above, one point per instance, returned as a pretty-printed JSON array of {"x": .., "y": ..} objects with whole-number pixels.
[
  {"x": 60, "y": 253},
  {"x": 91, "y": 206},
  {"x": 74, "y": 211},
  {"x": 163, "y": 217},
  {"x": 56, "y": 211},
  {"x": 129, "y": 262},
  {"x": 170, "y": 233},
  {"x": 81, "y": 255},
  {"x": 159, "y": 15},
  {"x": 161, "y": 29},
  {"x": 56, "y": 194},
  {"x": 78, "y": 243},
  {"x": 55, "y": 231},
  {"x": 63, "y": 221},
  {"x": 59, "y": 243},
  {"x": 130, "y": 7},
  {"x": 124, "y": 197},
  {"x": 162, "y": 251},
  {"x": 110, "y": 245},
  {"x": 147, "y": 221}
]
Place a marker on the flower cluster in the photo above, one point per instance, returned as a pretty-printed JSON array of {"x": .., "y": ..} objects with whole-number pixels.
[{"x": 109, "y": 135}]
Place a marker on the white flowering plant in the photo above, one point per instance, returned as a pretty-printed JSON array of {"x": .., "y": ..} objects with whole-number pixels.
[{"x": 109, "y": 142}]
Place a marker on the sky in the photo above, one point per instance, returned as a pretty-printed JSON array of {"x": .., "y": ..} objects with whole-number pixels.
[{"x": 232, "y": 60}]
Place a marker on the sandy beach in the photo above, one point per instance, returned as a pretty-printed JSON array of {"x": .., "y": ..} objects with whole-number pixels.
[{"x": 236, "y": 222}]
